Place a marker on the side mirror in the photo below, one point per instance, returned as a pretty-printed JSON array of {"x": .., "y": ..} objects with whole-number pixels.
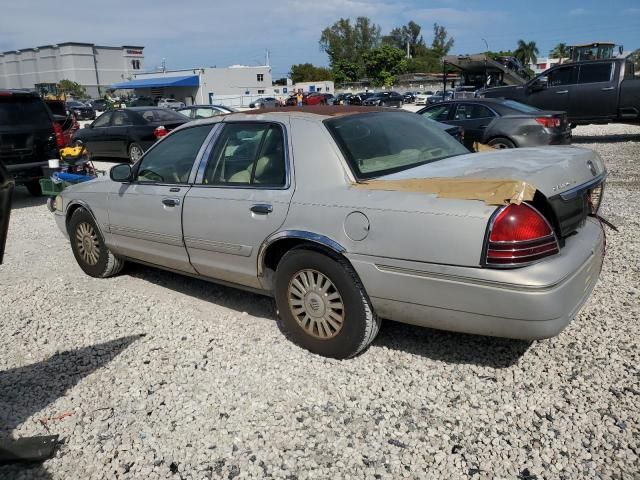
[
  {"x": 121, "y": 173},
  {"x": 540, "y": 84},
  {"x": 88, "y": 125}
]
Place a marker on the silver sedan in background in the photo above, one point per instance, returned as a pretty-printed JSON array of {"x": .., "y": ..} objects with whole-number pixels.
[{"x": 349, "y": 215}]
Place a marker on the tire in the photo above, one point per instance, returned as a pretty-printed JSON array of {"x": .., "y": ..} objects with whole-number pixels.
[
  {"x": 87, "y": 244},
  {"x": 135, "y": 152},
  {"x": 33, "y": 187},
  {"x": 500, "y": 143},
  {"x": 309, "y": 325}
]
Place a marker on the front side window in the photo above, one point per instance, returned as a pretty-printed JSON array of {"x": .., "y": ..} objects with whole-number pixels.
[
  {"x": 248, "y": 154},
  {"x": 439, "y": 113},
  {"x": 205, "y": 113},
  {"x": 561, "y": 76},
  {"x": 472, "y": 111},
  {"x": 595, "y": 72},
  {"x": 380, "y": 143},
  {"x": 172, "y": 159}
]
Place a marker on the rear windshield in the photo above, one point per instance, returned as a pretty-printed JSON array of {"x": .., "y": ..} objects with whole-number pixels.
[
  {"x": 153, "y": 115},
  {"x": 380, "y": 143},
  {"x": 18, "y": 110},
  {"x": 520, "y": 107}
]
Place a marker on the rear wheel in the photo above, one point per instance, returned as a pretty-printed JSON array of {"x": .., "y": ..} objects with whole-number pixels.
[
  {"x": 501, "y": 143},
  {"x": 322, "y": 306},
  {"x": 135, "y": 152},
  {"x": 33, "y": 186},
  {"x": 89, "y": 248}
]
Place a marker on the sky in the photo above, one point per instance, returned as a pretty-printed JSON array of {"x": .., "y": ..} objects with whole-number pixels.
[{"x": 201, "y": 33}]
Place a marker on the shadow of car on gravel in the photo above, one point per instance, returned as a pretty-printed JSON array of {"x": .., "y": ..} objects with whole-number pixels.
[
  {"x": 23, "y": 199},
  {"x": 27, "y": 390},
  {"x": 449, "y": 347},
  {"x": 613, "y": 138}
]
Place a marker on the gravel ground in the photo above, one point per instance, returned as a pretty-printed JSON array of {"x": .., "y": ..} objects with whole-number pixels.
[{"x": 153, "y": 375}]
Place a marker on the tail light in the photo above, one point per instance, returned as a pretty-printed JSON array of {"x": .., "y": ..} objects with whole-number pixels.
[
  {"x": 548, "y": 122},
  {"x": 519, "y": 235},
  {"x": 57, "y": 130},
  {"x": 160, "y": 131}
]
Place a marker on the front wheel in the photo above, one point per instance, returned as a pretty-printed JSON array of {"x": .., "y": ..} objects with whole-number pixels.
[
  {"x": 135, "y": 152},
  {"x": 88, "y": 246},
  {"x": 322, "y": 306},
  {"x": 501, "y": 143}
]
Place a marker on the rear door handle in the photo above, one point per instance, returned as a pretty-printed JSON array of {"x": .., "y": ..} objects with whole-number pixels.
[
  {"x": 607, "y": 89},
  {"x": 262, "y": 208},
  {"x": 171, "y": 202},
  {"x": 562, "y": 92}
]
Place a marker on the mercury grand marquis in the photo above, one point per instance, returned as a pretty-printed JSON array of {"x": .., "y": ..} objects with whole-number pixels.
[{"x": 349, "y": 215}]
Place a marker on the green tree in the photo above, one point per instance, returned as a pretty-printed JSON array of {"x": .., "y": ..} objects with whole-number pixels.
[
  {"x": 526, "y": 52},
  {"x": 441, "y": 44},
  {"x": 560, "y": 51},
  {"x": 346, "y": 71},
  {"x": 347, "y": 42},
  {"x": 383, "y": 64},
  {"x": 306, "y": 72},
  {"x": 399, "y": 37},
  {"x": 72, "y": 89}
]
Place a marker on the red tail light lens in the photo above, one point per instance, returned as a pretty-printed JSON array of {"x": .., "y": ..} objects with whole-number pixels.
[
  {"x": 57, "y": 130},
  {"x": 519, "y": 235},
  {"x": 548, "y": 122},
  {"x": 160, "y": 132}
]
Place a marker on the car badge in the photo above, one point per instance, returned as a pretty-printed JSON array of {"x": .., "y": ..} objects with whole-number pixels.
[{"x": 592, "y": 167}]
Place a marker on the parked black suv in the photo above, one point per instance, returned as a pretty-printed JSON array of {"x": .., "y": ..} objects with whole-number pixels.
[{"x": 29, "y": 136}]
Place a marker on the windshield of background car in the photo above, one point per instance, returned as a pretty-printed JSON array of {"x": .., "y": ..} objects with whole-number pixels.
[
  {"x": 153, "y": 115},
  {"x": 521, "y": 107},
  {"x": 21, "y": 110},
  {"x": 381, "y": 143}
]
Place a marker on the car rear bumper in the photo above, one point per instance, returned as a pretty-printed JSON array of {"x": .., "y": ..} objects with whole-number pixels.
[
  {"x": 543, "y": 137},
  {"x": 528, "y": 303}
]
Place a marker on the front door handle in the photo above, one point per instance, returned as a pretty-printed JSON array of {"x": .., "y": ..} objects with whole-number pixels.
[
  {"x": 262, "y": 208},
  {"x": 562, "y": 92},
  {"x": 607, "y": 89},
  {"x": 171, "y": 202}
]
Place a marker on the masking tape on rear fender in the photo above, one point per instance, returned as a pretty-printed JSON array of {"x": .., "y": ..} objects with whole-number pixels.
[{"x": 490, "y": 191}]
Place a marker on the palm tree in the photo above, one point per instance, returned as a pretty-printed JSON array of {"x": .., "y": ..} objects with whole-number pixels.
[
  {"x": 526, "y": 52},
  {"x": 560, "y": 51}
]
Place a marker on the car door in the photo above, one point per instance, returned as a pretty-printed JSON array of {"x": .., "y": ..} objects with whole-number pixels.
[
  {"x": 116, "y": 137},
  {"x": 474, "y": 120},
  {"x": 93, "y": 136},
  {"x": 240, "y": 198},
  {"x": 556, "y": 89},
  {"x": 596, "y": 94},
  {"x": 145, "y": 215}
]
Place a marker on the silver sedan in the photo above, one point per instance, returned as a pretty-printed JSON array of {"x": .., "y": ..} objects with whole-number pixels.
[{"x": 347, "y": 216}]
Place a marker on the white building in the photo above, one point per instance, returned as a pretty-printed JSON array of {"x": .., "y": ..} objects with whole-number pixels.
[
  {"x": 233, "y": 86},
  {"x": 95, "y": 67},
  {"x": 543, "y": 64}
]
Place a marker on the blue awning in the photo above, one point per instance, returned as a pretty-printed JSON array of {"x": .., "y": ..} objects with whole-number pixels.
[{"x": 186, "y": 81}]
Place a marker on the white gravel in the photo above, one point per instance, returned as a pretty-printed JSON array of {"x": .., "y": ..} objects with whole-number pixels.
[{"x": 213, "y": 390}]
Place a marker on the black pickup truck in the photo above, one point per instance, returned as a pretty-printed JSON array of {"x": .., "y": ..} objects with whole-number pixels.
[{"x": 596, "y": 91}]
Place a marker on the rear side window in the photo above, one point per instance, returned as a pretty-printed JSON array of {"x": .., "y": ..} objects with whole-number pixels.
[
  {"x": 595, "y": 72},
  {"x": 17, "y": 110},
  {"x": 160, "y": 115},
  {"x": 472, "y": 111}
]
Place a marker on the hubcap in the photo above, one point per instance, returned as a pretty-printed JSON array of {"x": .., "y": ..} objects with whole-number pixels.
[
  {"x": 136, "y": 153},
  {"x": 316, "y": 304},
  {"x": 87, "y": 243}
]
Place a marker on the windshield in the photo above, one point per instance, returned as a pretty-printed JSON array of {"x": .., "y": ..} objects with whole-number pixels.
[
  {"x": 153, "y": 115},
  {"x": 19, "y": 110},
  {"x": 520, "y": 107},
  {"x": 381, "y": 143}
]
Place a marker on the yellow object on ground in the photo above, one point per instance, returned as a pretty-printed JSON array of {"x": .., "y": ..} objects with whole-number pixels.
[
  {"x": 490, "y": 191},
  {"x": 71, "y": 152}
]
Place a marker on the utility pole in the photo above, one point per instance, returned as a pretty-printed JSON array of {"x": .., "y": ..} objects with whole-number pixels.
[
  {"x": 408, "y": 53},
  {"x": 486, "y": 52},
  {"x": 266, "y": 55}
]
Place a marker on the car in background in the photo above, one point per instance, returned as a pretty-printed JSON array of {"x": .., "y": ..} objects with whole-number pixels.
[
  {"x": 342, "y": 98},
  {"x": 423, "y": 97},
  {"x": 358, "y": 98},
  {"x": 502, "y": 123},
  {"x": 29, "y": 137},
  {"x": 170, "y": 103},
  {"x": 142, "y": 101},
  {"x": 412, "y": 228},
  {"x": 128, "y": 132},
  {"x": 197, "y": 112},
  {"x": 99, "y": 105},
  {"x": 80, "y": 110},
  {"x": 384, "y": 99},
  {"x": 267, "y": 102},
  {"x": 408, "y": 97},
  {"x": 315, "y": 99}
]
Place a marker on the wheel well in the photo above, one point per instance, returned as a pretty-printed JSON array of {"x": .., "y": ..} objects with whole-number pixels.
[
  {"x": 504, "y": 137},
  {"x": 70, "y": 210},
  {"x": 279, "y": 248}
]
